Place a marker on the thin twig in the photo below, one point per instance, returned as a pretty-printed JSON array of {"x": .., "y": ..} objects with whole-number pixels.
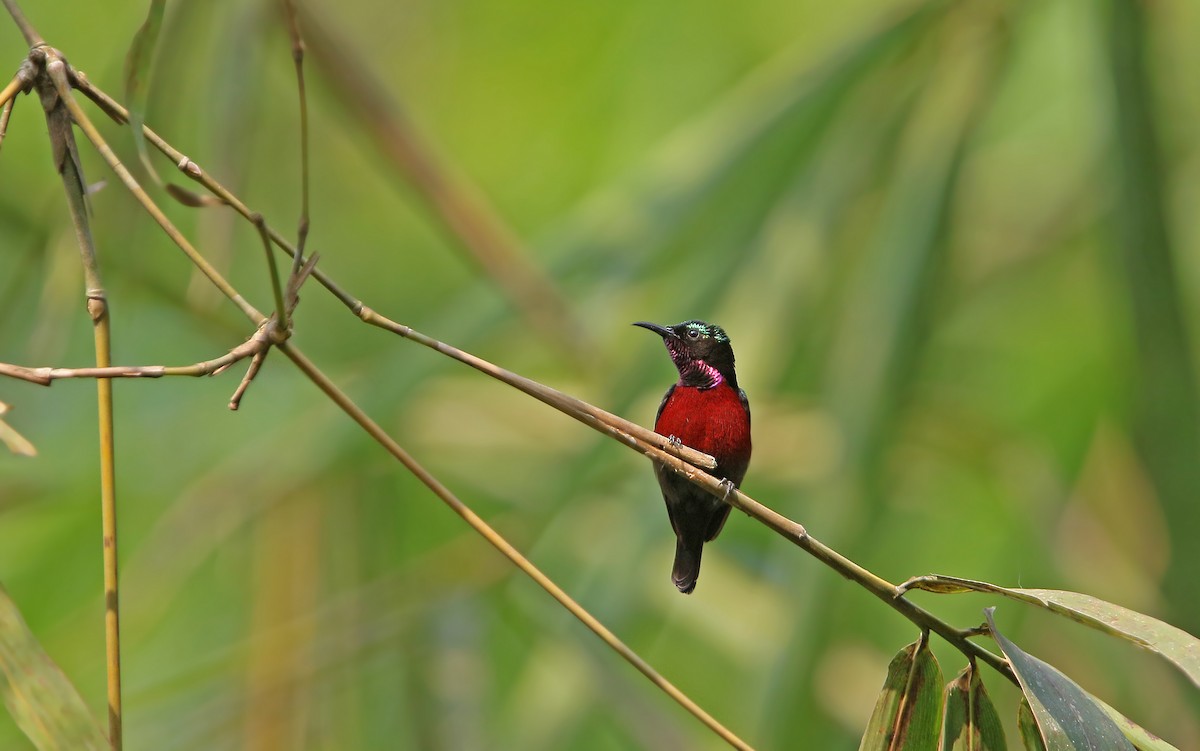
[
  {"x": 276, "y": 286},
  {"x": 498, "y": 541},
  {"x": 259, "y": 342},
  {"x": 298, "y": 50},
  {"x": 14, "y": 87},
  {"x": 236, "y": 400},
  {"x": 5, "y": 113}
]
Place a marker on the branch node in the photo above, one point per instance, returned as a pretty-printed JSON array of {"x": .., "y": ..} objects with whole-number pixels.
[
  {"x": 97, "y": 305},
  {"x": 190, "y": 168},
  {"x": 26, "y": 74}
]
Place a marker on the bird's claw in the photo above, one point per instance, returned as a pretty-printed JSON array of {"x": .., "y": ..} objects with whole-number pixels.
[
  {"x": 674, "y": 441},
  {"x": 730, "y": 489}
]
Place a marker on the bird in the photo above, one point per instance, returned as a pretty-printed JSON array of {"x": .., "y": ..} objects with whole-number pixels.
[{"x": 705, "y": 410}]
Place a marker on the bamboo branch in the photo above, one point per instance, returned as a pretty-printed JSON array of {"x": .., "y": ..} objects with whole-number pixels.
[
  {"x": 5, "y": 113},
  {"x": 258, "y": 343},
  {"x": 20, "y": 82},
  {"x": 58, "y": 122}
]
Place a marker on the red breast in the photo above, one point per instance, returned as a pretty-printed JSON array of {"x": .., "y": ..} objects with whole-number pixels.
[{"x": 713, "y": 421}]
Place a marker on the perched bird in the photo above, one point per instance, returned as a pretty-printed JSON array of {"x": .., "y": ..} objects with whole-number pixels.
[{"x": 705, "y": 411}]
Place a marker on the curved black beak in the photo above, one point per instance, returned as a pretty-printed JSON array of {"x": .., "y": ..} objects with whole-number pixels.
[{"x": 662, "y": 331}]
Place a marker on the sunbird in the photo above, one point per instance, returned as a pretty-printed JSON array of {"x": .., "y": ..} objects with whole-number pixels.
[{"x": 705, "y": 411}]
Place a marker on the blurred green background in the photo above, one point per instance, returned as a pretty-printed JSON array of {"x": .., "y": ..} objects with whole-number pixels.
[{"x": 955, "y": 247}]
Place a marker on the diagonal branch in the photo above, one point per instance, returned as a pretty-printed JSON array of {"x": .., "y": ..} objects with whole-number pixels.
[{"x": 497, "y": 541}]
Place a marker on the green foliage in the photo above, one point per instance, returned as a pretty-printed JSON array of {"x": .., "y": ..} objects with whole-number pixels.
[
  {"x": 908, "y": 713},
  {"x": 971, "y": 722},
  {"x": 1068, "y": 719},
  {"x": 39, "y": 698},
  {"x": 921, "y": 225}
]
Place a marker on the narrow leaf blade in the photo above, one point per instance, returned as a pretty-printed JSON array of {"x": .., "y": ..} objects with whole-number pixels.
[
  {"x": 1031, "y": 736},
  {"x": 39, "y": 697},
  {"x": 1174, "y": 644},
  {"x": 879, "y": 729},
  {"x": 971, "y": 721},
  {"x": 1065, "y": 713},
  {"x": 908, "y": 713},
  {"x": 920, "y": 720}
]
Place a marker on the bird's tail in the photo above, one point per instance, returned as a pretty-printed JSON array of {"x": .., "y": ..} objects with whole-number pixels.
[{"x": 687, "y": 564}]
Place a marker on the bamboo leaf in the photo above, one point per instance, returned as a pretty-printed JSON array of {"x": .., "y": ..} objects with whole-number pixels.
[
  {"x": 1066, "y": 715},
  {"x": 1164, "y": 408},
  {"x": 1031, "y": 736},
  {"x": 971, "y": 721},
  {"x": 908, "y": 712},
  {"x": 39, "y": 697},
  {"x": 1174, "y": 644}
]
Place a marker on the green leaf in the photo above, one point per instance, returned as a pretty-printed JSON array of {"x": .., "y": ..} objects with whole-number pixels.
[
  {"x": 1176, "y": 645},
  {"x": 971, "y": 721},
  {"x": 39, "y": 697},
  {"x": 1031, "y": 736},
  {"x": 908, "y": 712},
  {"x": 1066, "y": 715}
]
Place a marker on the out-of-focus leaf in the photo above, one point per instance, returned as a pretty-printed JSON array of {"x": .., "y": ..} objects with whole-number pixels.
[
  {"x": 739, "y": 161},
  {"x": 137, "y": 71},
  {"x": 1164, "y": 403},
  {"x": 17, "y": 443},
  {"x": 1028, "y": 728},
  {"x": 908, "y": 712},
  {"x": 971, "y": 722},
  {"x": 1141, "y": 738},
  {"x": 1176, "y": 645},
  {"x": 39, "y": 697},
  {"x": 1068, "y": 718}
]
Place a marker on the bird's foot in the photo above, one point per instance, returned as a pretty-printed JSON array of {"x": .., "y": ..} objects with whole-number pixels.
[
  {"x": 674, "y": 441},
  {"x": 730, "y": 489}
]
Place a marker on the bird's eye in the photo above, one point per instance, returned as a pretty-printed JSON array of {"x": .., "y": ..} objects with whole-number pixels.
[{"x": 693, "y": 334}]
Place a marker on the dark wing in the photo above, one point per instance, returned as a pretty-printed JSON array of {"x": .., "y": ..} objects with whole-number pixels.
[
  {"x": 667, "y": 396},
  {"x": 741, "y": 395}
]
